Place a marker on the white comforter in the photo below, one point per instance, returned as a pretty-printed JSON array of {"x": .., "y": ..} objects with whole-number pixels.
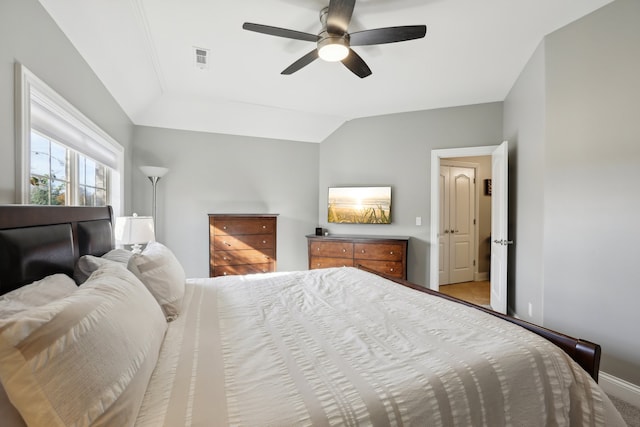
[{"x": 344, "y": 347}]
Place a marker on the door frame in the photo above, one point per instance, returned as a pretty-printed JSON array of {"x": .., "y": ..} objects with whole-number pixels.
[{"x": 436, "y": 157}]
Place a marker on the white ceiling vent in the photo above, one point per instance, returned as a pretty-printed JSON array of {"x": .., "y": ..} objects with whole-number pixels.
[{"x": 201, "y": 58}]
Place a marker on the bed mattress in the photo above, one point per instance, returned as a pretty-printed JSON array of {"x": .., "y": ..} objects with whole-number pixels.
[{"x": 345, "y": 347}]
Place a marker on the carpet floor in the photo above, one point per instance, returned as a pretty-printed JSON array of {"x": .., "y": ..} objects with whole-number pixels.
[{"x": 630, "y": 413}]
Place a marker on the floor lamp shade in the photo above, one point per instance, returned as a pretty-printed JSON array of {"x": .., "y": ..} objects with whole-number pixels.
[
  {"x": 134, "y": 230},
  {"x": 154, "y": 173}
]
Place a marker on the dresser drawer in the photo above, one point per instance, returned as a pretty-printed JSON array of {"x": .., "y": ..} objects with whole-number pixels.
[
  {"x": 243, "y": 226},
  {"x": 246, "y": 256},
  {"x": 324, "y": 262},
  {"x": 241, "y": 242},
  {"x": 230, "y": 270},
  {"x": 382, "y": 254},
  {"x": 391, "y": 268},
  {"x": 385, "y": 251},
  {"x": 331, "y": 249}
]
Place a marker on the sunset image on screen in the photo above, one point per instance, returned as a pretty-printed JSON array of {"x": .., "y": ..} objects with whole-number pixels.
[{"x": 360, "y": 205}]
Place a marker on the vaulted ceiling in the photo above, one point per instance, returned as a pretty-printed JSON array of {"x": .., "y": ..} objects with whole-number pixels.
[{"x": 144, "y": 53}]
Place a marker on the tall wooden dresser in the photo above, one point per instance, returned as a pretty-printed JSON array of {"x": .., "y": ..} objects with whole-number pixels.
[
  {"x": 242, "y": 243},
  {"x": 385, "y": 254}
]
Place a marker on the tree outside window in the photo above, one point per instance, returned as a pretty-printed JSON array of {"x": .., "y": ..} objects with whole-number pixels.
[
  {"x": 60, "y": 176},
  {"x": 49, "y": 171}
]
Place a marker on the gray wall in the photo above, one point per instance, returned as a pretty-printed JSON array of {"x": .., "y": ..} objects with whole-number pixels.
[
  {"x": 592, "y": 199},
  {"x": 524, "y": 128},
  {"x": 28, "y": 35},
  {"x": 396, "y": 150},
  {"x": 213, "y": 173},
  {"x": 573, "y": 116}
]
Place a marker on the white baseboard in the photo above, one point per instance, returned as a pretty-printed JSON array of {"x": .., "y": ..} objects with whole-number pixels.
[{"x": 619, "y": 388}]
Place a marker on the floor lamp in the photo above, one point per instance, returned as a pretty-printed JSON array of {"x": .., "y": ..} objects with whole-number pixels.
[{"x": 154, "y": 173}]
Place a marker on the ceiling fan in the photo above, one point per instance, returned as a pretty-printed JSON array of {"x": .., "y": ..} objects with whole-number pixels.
[{"x": 334, "y": 42}]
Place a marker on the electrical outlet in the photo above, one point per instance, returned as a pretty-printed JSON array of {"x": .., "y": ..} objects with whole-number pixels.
[
  {"x": 418, "y": 220},
  {"x": 530, "y": 310}
]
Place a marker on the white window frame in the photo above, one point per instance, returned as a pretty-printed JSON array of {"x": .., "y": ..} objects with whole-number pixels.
[{"x": 28, "y": 87}]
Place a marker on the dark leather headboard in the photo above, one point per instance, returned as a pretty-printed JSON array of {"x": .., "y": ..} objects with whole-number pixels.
[
  {"x": 37, "y": 241},
  {"x": 29, "y": 254},
  {"x": 95, "y": 237}
]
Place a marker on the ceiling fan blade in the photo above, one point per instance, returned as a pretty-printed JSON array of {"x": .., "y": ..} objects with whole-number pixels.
[
  {"x": 356, "y": 64},
  {"x": 280, "y": 32},
  {"x": 339, "y": 15},
  {"x": 302, "y": 62},
  {"x": 387, "y": 35}
]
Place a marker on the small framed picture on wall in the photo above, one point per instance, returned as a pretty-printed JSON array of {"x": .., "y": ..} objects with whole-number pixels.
[{"x": 487, "y": 187}]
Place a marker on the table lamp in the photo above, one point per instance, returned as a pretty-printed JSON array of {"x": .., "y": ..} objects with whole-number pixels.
[{"x": 134, "y": 230}]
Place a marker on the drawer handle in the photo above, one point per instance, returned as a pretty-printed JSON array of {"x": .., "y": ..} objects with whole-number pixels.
[
  {"x": 391, "y": 253},
  {"x": 391, "y": 269},
  {"x": 224, "y": 227},
  {"x": 318, "y": 265},
  {"x": 363, "y": 251},
  {"x": 226, "y": 259},
  {"x": 318, "y": 249},
  {"x": 264, "y": 226},
  {"x": 224, "y": 273},
  {"x": 264, "y": 241},
  {"x": 344, "y": 250},
  {"x": 226, "y": 243}
]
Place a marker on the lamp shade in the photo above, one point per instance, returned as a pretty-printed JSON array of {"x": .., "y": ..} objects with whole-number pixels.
[
  {"x": 155, "y": 171},
  {"x": 134, "y": 230}
]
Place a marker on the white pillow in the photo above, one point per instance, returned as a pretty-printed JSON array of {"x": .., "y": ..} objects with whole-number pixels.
[
  {"x": 163, "y": 275},
  {"x": 34, "y": 294},
  {"x": 86, "y": 358},
  {"x": 87, "y": 264}
]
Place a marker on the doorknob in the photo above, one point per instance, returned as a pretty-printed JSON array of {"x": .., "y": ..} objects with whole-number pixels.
[{"x": 503, "y": 242}]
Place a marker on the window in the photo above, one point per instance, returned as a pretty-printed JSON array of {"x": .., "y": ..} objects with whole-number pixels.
[
  {"x": 53, "y": 181},
  {"x": 92, "y": 182},
  {"x": 49, "y": 178},
  {"x": 64, "y": 158}
]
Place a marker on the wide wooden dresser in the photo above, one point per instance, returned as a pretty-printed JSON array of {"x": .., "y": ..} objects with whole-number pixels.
[
  {"x": 384, "y": 254},
  {"x": 242, "y": 243}
]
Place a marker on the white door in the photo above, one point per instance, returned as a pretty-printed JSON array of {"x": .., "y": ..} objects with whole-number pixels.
[
  {"x": 457, "y": 229},
  {"x": 499, "y": 236},
  {"x": 443, "y": 229}
]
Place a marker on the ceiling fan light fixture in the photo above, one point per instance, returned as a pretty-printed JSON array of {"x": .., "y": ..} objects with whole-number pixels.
[
  {"x": 333, "y": 52},
  {"x": 333, "y": 48}
]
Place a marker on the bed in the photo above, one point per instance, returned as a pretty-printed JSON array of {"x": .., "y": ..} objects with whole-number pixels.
[{"x": 138, "y": 344}]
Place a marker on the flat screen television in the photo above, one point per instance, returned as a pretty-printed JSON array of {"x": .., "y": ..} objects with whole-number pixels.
[{"x": 359, "y": 205}]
